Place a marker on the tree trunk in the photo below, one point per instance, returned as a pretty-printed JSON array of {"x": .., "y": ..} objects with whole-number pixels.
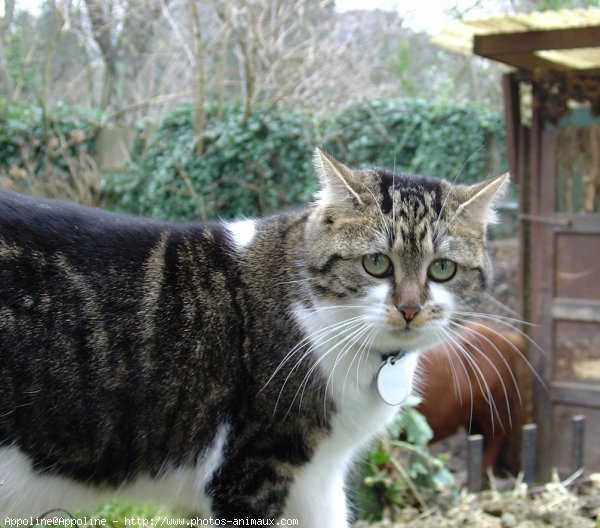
[
  {"x": 6, "y": 85},
  {"x": 200, "y": 92},
  {"x": 101, "y": 25}
]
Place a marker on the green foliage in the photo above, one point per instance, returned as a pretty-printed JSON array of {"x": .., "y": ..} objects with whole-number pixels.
[
  {"x": 441, "y": 137},
  {"x": 248, "y": 167},
  {"x": 554, "y": 5},
  {"x": 47, "y": 152},
  {"x": 113, "y": 514},
  {"x": 23, "y": 67},
  {"x": 400, "y": 471},
  {"x": 261, "y": 164},
  {"x": 400, "y": 64},
  {"x": 40, "y": 130}
]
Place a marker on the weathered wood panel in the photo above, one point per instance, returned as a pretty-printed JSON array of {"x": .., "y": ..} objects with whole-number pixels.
[
  {"x": 563, "y": 437},
  {"x": 578, "y": 265},
  {"x": 576, "y": 351}
]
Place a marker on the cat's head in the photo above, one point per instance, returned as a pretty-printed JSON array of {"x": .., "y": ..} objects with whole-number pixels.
[{"x": 396, "y": 256}]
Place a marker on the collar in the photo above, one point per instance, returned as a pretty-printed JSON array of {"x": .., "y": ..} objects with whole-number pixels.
[{"x": 392, "y": 356}]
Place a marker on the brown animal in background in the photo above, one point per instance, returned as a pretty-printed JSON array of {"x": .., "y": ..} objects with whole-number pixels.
[{"x": 473, "y": 383}]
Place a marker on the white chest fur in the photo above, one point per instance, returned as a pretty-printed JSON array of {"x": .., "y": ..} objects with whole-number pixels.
[{"x": 317, "y": 495}]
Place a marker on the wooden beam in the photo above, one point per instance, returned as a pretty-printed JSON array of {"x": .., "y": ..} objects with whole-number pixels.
[
  {"x": 525, "y": 61},
  {"x": 512, "y": 121},
  {"x": 576, "y": 393},
  {"x": 576, "y": 310},
  {"x": 581, "y": 222},
  {"x": 530, "y": 41}
]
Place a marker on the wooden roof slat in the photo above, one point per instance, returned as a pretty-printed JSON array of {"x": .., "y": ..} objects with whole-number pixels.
[
  {"x": 548, "y": 39},
  {"x": 525, "y": 61},
  {"x": 582, "y": 58},
  {"x": 568, "y": 38}
]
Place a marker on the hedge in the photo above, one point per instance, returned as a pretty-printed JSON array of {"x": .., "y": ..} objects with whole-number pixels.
[
  {"x": 263, "y": 164},
  {"x": 256, "y": 165}
]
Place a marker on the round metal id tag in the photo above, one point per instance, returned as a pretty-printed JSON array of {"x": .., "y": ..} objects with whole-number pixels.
[{"x": 394, "y": 378}]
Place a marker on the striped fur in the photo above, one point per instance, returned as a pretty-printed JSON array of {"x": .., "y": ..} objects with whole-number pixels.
[{"x": 130, "y": 348}]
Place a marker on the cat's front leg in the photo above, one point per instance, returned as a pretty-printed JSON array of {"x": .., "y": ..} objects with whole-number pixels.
[{"x": 317, "y": 499}]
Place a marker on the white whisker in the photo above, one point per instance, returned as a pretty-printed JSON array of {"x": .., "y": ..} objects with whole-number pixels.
[
  {"x": 357, "y": 326},
  {"x": 366, "y": 348},
  {"x": 496, "y": 317},
  {"x": 322, "y": 332},
  {"x": 496, "y": 350},
  {"x": 447, "y": 224},
  {"x": 480, "y": 378},
  {"x": 386, "y": 226},
  {"x": 369, "y": 330},
  {"x": 495, "y": 369},
  {"x": 522, "y": 334},
  {"x": 340, "y": 356},
  {"x": 453, "y": 341}
]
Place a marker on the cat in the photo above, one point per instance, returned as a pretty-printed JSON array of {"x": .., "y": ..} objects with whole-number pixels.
[{"x": 233, "y": 369}]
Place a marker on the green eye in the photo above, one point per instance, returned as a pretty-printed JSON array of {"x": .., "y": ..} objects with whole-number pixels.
[
  {"x": 441, "y": 270},
  {"x": 377, "y": 264}
]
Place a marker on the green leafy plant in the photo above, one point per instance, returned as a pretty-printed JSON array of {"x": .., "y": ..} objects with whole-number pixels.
[
  {"x": 262, "y": 163},
  {"x": 399, "y": 471},
  {"x": 111, "y": 514},
  {"x": 445, "y": 138},
  {"x": 249, "y": 166}
]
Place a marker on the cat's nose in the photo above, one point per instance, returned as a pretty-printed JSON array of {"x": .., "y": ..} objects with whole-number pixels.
[{"x": 409, "y": 312}]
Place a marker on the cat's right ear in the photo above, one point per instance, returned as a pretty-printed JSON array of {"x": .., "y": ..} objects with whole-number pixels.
[{"x": 338, "y": 183}]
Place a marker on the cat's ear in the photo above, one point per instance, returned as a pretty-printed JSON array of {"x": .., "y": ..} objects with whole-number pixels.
[
  {"x": 338, "y": 183},
  {"x": 478, "y": 200}
]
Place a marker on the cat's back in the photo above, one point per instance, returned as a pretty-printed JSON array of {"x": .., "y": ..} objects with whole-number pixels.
[
  {"x": 29, "y": 221},
  {"x": 103, "y": 279}
]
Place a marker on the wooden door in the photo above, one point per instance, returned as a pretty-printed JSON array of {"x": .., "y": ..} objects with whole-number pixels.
[{"x": 561, "y": 260}]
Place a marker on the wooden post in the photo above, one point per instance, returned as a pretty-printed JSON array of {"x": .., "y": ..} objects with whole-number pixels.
[
  {"x": 577, "y": 446},
  {"x": 528, "y": 453},
  {"x": 475, "y": 462}
]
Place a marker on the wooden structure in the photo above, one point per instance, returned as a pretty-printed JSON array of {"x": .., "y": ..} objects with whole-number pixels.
[
  {"x": 552, "y": 109},
  {"x": 475, "y": 447}
]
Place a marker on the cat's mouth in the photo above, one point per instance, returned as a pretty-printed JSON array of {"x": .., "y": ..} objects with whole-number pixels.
[
  {"x": 407, "y": 328},
  {"x": 405, "y": 338},
  {"x": 404, "y": 328},
  {"x": 411, "y": 337}
]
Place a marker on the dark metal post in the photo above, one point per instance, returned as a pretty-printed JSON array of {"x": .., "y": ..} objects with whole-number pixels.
[
  {"x": 475, "y": 462},
  {"x": 577, "y": 447},
  {"x": 529, "y": 453}
]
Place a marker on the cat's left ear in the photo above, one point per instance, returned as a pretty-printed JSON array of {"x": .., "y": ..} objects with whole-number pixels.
[
  {"x": 478, "y": 200},
  {"x": 338, "y": 183}
]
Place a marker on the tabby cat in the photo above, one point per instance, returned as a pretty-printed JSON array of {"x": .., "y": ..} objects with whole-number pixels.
[{"x": 228, "y": 369}]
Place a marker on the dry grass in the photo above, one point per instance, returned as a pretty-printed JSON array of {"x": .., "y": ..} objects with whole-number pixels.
[{"x": 557, "y": 504}]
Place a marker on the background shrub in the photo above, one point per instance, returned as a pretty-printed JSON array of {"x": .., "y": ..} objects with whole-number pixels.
[
  {"x": 441, "y": 137},
  {"x": 50, "y": 153},
  {"x": 262, "y": 164},
  {"x": 248, "y": 166}
]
